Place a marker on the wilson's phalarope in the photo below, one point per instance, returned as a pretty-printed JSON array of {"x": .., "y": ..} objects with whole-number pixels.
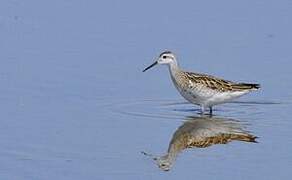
[{"x": 202, "y": 89}]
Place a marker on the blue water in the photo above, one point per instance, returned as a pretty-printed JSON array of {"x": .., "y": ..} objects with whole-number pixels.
[{"x": 74, "y": 103}]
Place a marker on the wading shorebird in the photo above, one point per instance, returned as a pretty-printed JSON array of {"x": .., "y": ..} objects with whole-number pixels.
[
  {"x": 202, "y": 89},
  {"x": 201, "y": 132}
]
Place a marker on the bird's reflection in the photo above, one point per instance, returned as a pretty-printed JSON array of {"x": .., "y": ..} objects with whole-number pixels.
[{"x": 202, "y": 132}]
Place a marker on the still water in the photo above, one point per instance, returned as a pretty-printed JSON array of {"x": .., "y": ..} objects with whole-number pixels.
[{"x": 75, "y": 104}]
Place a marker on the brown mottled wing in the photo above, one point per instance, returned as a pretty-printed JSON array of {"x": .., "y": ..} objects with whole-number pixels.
[
  {"x": 219, "y": 84},
  {"x": 207, "y": 132},
  {"x": 222, "y": 139}
]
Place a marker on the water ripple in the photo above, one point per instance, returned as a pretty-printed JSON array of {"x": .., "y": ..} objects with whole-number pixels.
[{"x": 175, "y": 109}]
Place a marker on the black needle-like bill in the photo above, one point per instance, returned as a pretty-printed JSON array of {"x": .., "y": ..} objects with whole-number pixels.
[{"x": 155, "y": 63}]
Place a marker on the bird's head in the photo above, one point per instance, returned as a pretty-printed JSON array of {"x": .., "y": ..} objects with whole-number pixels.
[
  {"x": 165, "y": 57},
  {"x": 164, "y": 163}
]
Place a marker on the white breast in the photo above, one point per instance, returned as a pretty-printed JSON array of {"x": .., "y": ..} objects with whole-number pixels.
[
  {"x": 196, "y": 94},
  {"x": 200, "y": 95},
  {"x": 223, "y": 97}
]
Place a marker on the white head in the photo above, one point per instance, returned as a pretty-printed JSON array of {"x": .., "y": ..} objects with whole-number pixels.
[
  {"x": 163, "y": 162},
  {"x": 165, "y": 57}
]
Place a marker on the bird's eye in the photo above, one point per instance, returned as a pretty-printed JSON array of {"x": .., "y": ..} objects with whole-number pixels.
[{"x": 164, "y": 57}]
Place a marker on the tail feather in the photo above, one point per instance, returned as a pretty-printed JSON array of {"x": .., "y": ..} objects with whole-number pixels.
[
  {"x": 246, "y": 86},
  {"x": 253, "y": 86},
  {"x": 245, "y": 137}
]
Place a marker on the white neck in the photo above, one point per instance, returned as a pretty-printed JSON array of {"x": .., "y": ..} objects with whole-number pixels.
[
  {"x": 171, "y": 156},
  {"x": 173, "y": 67}
]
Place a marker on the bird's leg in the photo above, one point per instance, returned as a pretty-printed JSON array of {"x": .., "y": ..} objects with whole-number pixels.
[{"x": 211, "y": 110}]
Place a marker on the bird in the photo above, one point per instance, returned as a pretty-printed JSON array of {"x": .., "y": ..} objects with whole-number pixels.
[
  {"x": 201, "y": 132},
  {"x": 202, "y": 89}
]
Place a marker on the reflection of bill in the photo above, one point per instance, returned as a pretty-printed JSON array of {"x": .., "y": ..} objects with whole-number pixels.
[{"x": 202, "y": 132}]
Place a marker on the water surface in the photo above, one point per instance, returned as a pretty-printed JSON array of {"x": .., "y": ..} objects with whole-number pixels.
[{"x": 74, "y": 103}]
